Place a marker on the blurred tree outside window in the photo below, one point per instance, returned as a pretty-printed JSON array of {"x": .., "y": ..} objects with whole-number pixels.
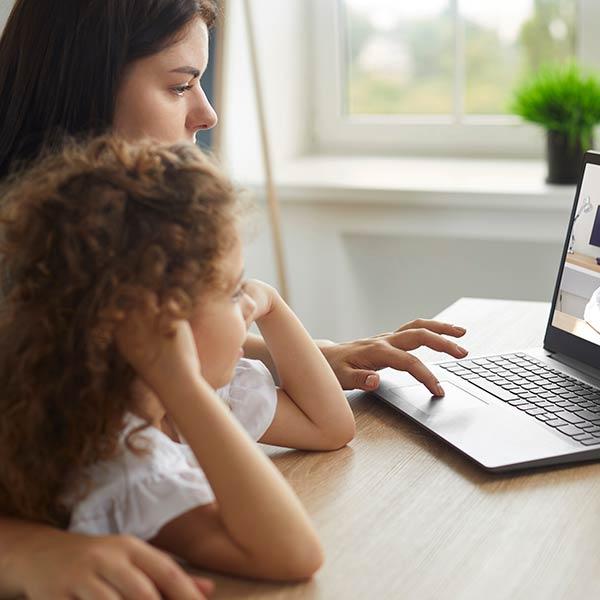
[{"x": 457, "y": 58}]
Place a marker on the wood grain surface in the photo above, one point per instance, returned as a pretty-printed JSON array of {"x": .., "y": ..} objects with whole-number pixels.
[{"x": 402, "y": 515}]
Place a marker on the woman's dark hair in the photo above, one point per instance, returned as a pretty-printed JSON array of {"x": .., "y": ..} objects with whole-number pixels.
[{"x": 61, "y": 63}]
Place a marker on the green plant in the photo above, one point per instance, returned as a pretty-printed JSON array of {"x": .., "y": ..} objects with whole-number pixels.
[{"x": 561, "y": 98}]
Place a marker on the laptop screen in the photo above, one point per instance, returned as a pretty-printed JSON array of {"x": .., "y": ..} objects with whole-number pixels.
[{"x": 576, "y": 307}]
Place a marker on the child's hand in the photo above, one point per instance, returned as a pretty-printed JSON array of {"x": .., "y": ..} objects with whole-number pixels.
[
  {"x": 263, "y": 295},
  {"x": 159, "y": 352}
]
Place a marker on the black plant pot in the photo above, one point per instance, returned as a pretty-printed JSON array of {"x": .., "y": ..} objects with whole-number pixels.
[{"x": 565, "y": 158}]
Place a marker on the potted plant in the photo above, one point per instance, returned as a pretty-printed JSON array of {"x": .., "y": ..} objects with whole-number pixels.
[{"x": 566, "y": 102}]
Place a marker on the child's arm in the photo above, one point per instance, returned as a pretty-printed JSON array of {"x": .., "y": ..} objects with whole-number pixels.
[
  {"x": 258, "y": 527},
  {"x": 312, "y": 410},
  {"x": 42, "y": 562},
  {"x": 256, "y": 348}
]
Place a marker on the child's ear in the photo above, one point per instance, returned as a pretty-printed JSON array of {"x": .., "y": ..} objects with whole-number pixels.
[{"x": 176, "y": 305}]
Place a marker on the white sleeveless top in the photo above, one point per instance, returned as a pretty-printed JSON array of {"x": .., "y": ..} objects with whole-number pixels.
[{"x": 138, "y": 495}]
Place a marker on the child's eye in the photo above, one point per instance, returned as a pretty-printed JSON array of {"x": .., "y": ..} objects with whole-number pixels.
[{"x": 239, "y": 292}]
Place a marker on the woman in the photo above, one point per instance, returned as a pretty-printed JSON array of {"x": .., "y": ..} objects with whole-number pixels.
[{"x": 81, "y": 67}]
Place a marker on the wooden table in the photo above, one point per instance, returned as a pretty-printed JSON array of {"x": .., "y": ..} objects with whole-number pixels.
[{"x": 403, "y": 516}]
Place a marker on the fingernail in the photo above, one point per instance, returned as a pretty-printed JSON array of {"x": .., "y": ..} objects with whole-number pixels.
[
  {"x": 459, "y": 329},
  {"x": 463, "y": 351},
  {"x": 371, "y": 381},
  {"x": 439, "y": 390}
]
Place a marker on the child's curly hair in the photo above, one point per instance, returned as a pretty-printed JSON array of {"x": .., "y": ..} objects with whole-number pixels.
[{"x": 85, "y": 234}]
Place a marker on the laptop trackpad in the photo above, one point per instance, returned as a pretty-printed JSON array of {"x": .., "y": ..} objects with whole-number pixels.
[{"x": 418, "y": 402}]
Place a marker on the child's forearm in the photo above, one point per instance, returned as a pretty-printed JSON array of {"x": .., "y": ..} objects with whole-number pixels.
[
  {"x": 255, "y": 348},
  {"x": 304, "y": 372},
  {"x": 257, "y": 507}
]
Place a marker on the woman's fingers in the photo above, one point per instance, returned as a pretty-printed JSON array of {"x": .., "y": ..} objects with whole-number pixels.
[
  {"x": 129, "y": 581},
  {"x": 435, "y": 326},
  {"x": 168, "y": 577},
  {"x": 412, "y": 339},
  {"x": 359, "y": 379},
  {"x": 391, "y": 351},
  {"x": 97, "y": 589},
  {"x": 363, "y": 379},
  {"x": 355, "y": 364},
  {"x": 206, "y": 586},
  {"x": 403, "y": 361}
]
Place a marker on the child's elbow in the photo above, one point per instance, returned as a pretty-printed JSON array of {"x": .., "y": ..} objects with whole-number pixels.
[
  {"x": 311, "y": 563},
  {"x": 341, "y": 435},
  {"x": 344, "y": 437},
  {"x": 299, "y": 564}
]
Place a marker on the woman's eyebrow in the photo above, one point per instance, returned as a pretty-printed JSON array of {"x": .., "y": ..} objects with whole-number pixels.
[{"x": 188, "y": 70}]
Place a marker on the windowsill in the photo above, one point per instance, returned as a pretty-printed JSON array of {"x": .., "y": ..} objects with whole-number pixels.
[{"x": 482, "y": 183}]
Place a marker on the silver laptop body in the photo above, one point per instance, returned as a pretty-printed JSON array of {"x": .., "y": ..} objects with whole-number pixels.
[{"x": 482, "y": 415}]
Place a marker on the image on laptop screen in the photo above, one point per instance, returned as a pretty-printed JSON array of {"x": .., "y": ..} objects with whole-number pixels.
[{"x": 577, "y": 309}]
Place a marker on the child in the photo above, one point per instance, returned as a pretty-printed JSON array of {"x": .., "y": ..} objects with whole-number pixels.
[{"x": 125, "y": 309}]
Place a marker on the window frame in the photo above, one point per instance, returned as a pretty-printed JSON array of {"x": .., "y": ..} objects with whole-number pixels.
[{"x": 478, "y": 136}]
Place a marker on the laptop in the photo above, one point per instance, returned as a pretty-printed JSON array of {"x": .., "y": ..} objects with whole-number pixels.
[{"x": 533, "y": 407}]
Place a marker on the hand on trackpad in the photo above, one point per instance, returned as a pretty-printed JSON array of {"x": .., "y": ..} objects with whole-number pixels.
[{"x": 456, "y": 399}]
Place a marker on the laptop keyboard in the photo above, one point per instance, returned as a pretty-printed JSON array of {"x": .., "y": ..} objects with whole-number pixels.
[{"x": 562, "y": 402}]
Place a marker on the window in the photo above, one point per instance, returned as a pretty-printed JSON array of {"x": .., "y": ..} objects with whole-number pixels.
[{"x": 436, "y": 76}]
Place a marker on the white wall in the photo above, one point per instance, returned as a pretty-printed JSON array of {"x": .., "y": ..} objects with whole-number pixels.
[
  {"x": 282, "y": 46},
  {"x": 361, "y": 268},
  {"x": 5, "y": 8}
]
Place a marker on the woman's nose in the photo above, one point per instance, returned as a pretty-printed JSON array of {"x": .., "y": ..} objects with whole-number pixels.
[{"x": 203, "y": 115}]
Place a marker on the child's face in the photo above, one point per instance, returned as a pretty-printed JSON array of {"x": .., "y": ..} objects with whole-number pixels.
[{"x": 221, "y": 320}]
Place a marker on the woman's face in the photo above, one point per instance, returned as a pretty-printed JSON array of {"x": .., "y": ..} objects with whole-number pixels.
[
  {"x": 220, "y": 322},
  {"x": 160, "y": 96}
]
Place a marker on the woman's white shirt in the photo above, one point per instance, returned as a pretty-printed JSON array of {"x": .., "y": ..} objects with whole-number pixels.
[{"x": 138, "y": 495}]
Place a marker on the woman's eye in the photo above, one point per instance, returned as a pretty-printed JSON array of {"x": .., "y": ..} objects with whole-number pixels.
[{"x": 180, "y": 90}]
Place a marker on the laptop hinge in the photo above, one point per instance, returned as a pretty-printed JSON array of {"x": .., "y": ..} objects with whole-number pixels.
[{"x": 574, "y": 364}]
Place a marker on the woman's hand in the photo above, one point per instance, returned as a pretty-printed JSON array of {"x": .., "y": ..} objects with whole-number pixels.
[
  {"x": 63, "y": 565},
  {"x": 355, "y": 363}
]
